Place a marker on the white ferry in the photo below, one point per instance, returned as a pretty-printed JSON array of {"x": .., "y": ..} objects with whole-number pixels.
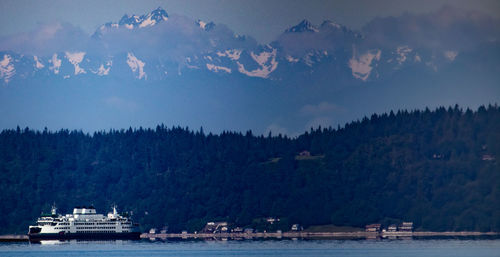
[{"x": 84, "y": 223}]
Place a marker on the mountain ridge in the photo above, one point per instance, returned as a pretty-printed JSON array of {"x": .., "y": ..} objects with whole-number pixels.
[
  {"x": 343, "y": 73},
  {"x": 303, "y": 43}
]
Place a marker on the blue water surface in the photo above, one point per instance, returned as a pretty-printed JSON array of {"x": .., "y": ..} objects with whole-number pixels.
[{"x": 426, "y": 247}]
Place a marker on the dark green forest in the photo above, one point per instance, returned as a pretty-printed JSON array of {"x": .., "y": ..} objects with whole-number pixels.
[{"x": 439, "y": 169}]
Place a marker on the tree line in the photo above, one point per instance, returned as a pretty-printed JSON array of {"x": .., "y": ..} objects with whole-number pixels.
[{"x": 436, "y": 168}]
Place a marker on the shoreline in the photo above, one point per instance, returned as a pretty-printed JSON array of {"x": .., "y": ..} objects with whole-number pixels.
[
  {"x": 316, "y": 235},
  {"x": 13, "y": 238},
  {"x": 290, "y": 235}
]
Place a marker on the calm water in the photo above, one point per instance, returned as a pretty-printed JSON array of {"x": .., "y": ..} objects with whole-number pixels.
[{"x": 440, "y": 247}]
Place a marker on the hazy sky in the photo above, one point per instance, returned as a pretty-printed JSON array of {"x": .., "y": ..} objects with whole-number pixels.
[{"x": 262, "y": 19}]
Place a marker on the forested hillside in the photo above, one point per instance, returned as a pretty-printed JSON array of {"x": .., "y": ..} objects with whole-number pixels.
[{"x": 439, "y": 169}]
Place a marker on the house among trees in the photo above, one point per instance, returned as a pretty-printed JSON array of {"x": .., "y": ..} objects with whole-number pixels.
[
  {"x": 215, "y": 227},
  {"x": 271, "y": 220},
  {"x": 406, "y": 227},
  {"x": 373, "y": 228},
  {"x": 237, "y": 230},
  {"x": 305, "y": 153},
  {"x": 437, "y": 156},
  {"x": 164, "y": 230},
  {"x": 392, "y": 228},
  {"x": 297, "y": 227},
  {"x": 488, "y": 157}
]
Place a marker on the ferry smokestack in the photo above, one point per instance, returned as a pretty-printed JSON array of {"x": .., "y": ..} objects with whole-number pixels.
[{"x": 54, "y": 209}]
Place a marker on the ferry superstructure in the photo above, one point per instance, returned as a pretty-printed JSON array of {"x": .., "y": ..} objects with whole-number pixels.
[{"x": 84, "y": 223}]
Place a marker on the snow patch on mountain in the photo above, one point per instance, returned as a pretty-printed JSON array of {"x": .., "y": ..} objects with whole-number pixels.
[
  {"x": 450, "y": 55},
  {"x": 263, "y": 57},
  {"x": 308, "y": 59},
  {"x": 417, "y": 58},
  {"x": 129, "y": 20},
  {"x": 38, "y": 64},
  {"x": 147, "y": 22},
  {"x": 136, "y": 65},
  {"x": 202, "y": 24},
  {"x": 189, "y": 65},
  {"x": 56, "y": 64},
  {"x": 152, "y": 18},
  {"x": 267, "y": 62},
  {"x": 134, "y": 21},
  {"x": 216, "y": 68},
  {"x": 289, "y": 58},
  {"x": 233, "y": 54},
  {"x": 361, "y": 65},
  {"x": 402, "y": 53},
  {"x": 207, "y": 26},
  {"x": 76, "y": 58},
  {"x": 7, "y": 69},
  {"x": 102, "y": 71}
]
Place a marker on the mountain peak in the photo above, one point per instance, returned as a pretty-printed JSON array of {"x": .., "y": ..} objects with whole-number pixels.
[
  {"x": 303, "y": 26},
  {"x": 134, "y": 21},
  {"x": 159, "y": 9},
  {"x": 146, "y": 20},
  {"x": 159, "y": 14},
  {"x": 128, "y": 19}
]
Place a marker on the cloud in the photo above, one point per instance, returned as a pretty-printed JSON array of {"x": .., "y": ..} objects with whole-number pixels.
[
  {"x": 328, "y": 37},
  {"x": 276, "y": 129},
  {"x": 323, "y": 114},
  {"x": 121, "y": 104},
  {"x": 319, "y": 121},
  {"x": 48, "y": 31},
  {"x": 173, "y": 39},
  {"x": 46, "y": 39},
  {"x": 361, "y": 65},
  {"x": 448, "y": 28},
  {"x": 321, "y": 108}
]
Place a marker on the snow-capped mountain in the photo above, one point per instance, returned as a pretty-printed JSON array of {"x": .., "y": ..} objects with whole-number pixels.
[
  {"x": 303, "y": 26},
  {"x": 135, "y": 21},
  {"x": 156, "y": 16},
  {"x": 155, "y": 46},
  {"x": 194, "y": 72}
]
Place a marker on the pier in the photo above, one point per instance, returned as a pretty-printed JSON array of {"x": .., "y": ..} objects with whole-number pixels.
[
  {"x": 13, "y": 238},
  {"x": 314, "y": 235},
  {"x": 290, "y": 235}
]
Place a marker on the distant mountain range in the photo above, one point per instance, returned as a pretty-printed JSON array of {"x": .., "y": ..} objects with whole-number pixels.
[{"x": 157, "y": 48}]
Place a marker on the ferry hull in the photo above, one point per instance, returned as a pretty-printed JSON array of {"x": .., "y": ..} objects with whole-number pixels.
[{"x": 88, "y": 236}]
